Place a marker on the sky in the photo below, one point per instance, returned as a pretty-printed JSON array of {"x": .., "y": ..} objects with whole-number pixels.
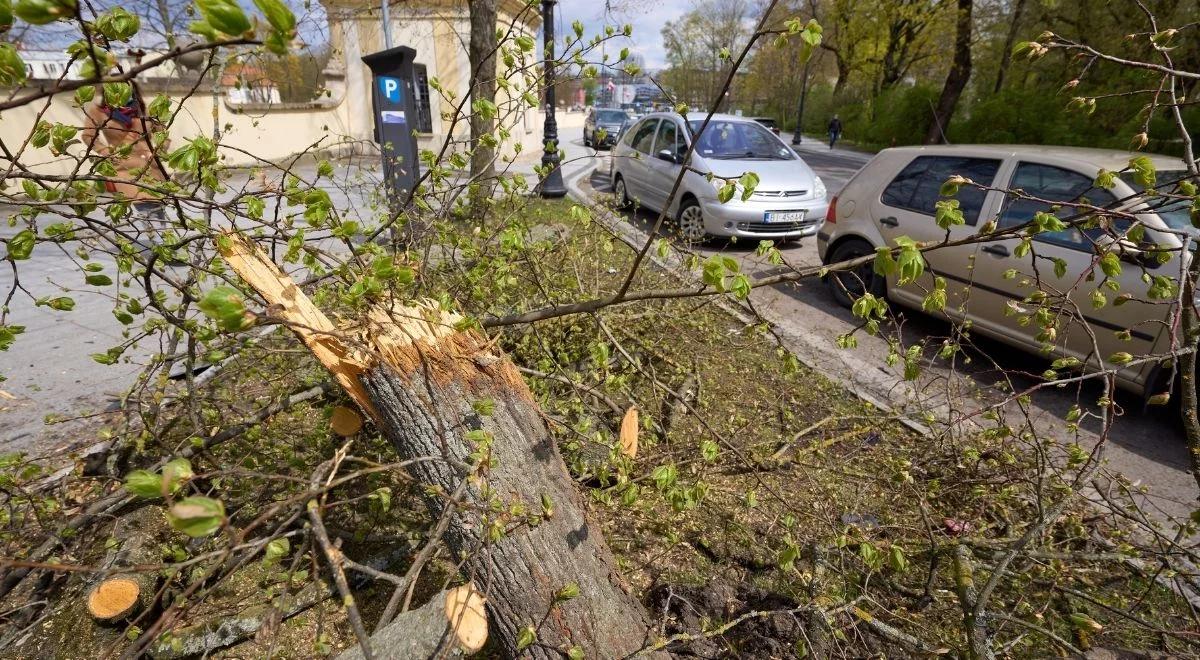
[{"x": 646, "y": 16}]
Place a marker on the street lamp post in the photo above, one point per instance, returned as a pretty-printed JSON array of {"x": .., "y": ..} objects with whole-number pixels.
[
  {"x": 800, "y": 111},
  {"x": 552, "y": 183}
]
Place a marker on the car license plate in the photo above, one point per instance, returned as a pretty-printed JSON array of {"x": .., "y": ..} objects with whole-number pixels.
[{"x": 783, "y": 217}]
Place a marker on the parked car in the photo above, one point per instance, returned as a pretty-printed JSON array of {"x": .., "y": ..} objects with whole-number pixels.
[
  {"x": 789, "y": 201},
  {"x": 609, "y": 120},
  {"x": 895, "y": 195},
  {"x": 769, "y": 123}
]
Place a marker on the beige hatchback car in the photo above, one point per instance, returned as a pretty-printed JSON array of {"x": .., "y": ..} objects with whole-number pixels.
[{"x": 895, "y": 195}]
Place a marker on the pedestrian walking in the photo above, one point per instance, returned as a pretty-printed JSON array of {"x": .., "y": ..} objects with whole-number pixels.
[
  {"x": 125, "y": 135},
  {"x": 835, "y": 131}
]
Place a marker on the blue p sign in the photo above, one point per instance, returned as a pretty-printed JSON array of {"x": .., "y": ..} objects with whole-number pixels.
[{"x": 391, "y": 90}]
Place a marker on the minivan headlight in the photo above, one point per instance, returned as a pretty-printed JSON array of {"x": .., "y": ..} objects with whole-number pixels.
[{"x": 819, "y": 188}]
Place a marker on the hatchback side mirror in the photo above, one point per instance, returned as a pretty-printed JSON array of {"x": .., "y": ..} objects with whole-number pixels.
[{"x": 668, "y": 155}]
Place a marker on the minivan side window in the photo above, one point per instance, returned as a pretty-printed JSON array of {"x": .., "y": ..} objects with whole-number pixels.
[
  {"x": 666, "y": 137},
  {"x": 627, "y": 136},
  {"x": 643, "y": 137},
  {"x": 1057, "y": 185},
  {"x": 918, "y": 186}
]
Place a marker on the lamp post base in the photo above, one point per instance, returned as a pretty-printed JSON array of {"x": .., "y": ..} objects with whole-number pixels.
[{"x": 552, "y": 186}]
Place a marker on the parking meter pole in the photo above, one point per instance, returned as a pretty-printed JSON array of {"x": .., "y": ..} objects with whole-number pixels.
[
  {"x": 552, "y": 185},
  {"x": 393, "y": 104}
]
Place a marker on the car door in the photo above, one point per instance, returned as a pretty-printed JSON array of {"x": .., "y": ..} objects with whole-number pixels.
[
  {"x": 634, "y": 160},
  {"x": 907, "y": 207},
  {"x": 1064, "y": 265},
  {"x": 661, "y": 173}
]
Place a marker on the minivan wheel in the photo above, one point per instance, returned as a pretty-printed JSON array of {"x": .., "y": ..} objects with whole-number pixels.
[
  {"x": 620, "y": 193},
  {"x": 691, "y": 222},
  {"x": 849, "y": 285}
]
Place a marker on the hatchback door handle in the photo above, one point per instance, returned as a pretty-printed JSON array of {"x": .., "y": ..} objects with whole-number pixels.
[
  {"x": 998, "y": 250},
  {"x": 889, "y": 221}
]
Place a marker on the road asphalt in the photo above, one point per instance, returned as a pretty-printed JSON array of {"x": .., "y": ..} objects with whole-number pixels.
[
  {"x": 1145, "y": 446},
  {"x": 49, "y": 370}
]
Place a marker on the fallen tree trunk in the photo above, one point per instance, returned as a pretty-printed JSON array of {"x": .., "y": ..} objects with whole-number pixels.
[{"x": 520, "y": 528}]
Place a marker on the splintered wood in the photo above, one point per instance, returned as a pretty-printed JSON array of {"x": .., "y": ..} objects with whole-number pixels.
[
  {"x": 383, "y": 334},
  {"x": 289, "y": 303}
]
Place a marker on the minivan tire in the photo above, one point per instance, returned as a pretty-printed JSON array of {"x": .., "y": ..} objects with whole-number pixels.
[
  {"x": 620, "y": 193},
  {"x": 690, "y": 209},
  {"x": 848, "y": 286}
]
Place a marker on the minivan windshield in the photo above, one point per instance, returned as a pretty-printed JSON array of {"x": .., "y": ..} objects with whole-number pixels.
[
  {"x": 1174, "y": 212},
  {"x": 738, "y": 140},
  {"x": 611, "y": 116}
]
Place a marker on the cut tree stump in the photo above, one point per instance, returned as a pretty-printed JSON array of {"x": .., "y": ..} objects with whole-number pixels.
[
  {"x": 123, "y": 593},
  {"x": 519, "y": 528},
  {"x": 451, "y": 625}
]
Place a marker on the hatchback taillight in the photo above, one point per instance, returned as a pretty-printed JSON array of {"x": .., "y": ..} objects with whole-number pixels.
[{"x": 831, "y": 214}]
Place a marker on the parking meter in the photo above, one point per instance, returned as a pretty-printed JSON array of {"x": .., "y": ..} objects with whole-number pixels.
[{"x": 395, "y": 114}]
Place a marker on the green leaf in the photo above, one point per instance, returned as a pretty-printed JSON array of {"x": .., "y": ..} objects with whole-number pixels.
[
  {"x": 60, "y": 303},
  {"x": 12, "y": 67},
  {"x": 276, "y": 549},
  {"x": 118, "y": 24},
  {"x": 748, "y": 181},
  {"x": 1120, "y": 357},
  {"x": 6, "y": 16},
  {"x": 741, "y": 286},
  {"x": 947, "y": 213},
  {"x": 176, "y": 472},
  {"x": 20, "y": 246},
  {"x": 1110, "y": 264},
  {"x": 1143, "y": 171},
  {"x": 910, "y": 262},
  {"x": 196, "y": 516},
  {"x": 570, "y": 590},
  {"x": 526, "y": 638},
  {"x": 98, "y": 279},
  {"x": 144, "y": 483},
  {"x": 224, "y": 16},
  {"x": 726, "y": 192},
  {"x": 278, "y": 14},
  {"x": 225, "y": 305},
  {"x": 41, "y": 12}
]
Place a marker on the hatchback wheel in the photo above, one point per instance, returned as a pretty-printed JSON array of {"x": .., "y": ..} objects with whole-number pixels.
[
  {"x": 849, "y": 285},
  {"x": 691, "y": 222}
]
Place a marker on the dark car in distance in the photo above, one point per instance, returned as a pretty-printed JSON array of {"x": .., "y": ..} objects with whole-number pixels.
[
  {"x": 769, "y": 122},
  {"x": 608, "y": 120}
]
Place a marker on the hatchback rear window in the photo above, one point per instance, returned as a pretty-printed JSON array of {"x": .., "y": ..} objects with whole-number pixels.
[{"x": 917, "y": 187}]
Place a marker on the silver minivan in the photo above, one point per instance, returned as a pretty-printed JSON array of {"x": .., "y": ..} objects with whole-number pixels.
[
  {"x": 788, "y": 203},
  {"x": 991, "y": 283}
]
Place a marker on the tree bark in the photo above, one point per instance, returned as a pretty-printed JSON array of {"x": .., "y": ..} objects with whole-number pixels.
[
  {"x": 956, "y": 80},
  {"x": 518, "y": 526},
  {"x": 482, "y": 54},
  {"x": 1009, "y": 40}
]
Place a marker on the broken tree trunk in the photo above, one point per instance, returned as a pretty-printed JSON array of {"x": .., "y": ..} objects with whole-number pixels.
[{"x": 519, "y": 527}]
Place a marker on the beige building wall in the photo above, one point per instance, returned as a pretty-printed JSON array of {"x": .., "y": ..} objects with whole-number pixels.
[{"x": 437, "y": 29}]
